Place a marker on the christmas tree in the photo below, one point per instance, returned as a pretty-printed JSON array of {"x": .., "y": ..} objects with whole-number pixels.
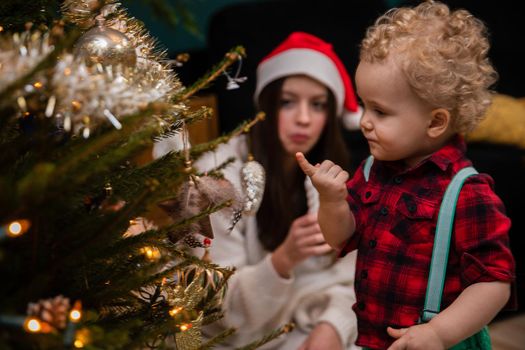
[{"x": 82, "y": 264}]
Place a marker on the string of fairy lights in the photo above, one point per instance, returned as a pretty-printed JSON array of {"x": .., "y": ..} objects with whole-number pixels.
[
  {"x": 33, "y": 324},
  {"x": 183, "y": 297}
]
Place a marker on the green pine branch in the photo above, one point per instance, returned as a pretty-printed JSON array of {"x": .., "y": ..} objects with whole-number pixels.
[
  {"x": 218, "y": 339},
  {"x": 269, "y": 337},
  {"x": 231, "y": 57}
]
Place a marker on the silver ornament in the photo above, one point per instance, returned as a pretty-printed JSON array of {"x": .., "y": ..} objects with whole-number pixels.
[
  {"x": 253, "y": 179},
  {"x": 106, "y": 46}
]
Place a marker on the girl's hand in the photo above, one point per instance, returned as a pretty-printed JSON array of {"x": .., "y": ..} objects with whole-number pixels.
[
  {"x": 421, "y": 336},
  {"x": 304, "y": 239},
  {"x": 328, "y": 178},
  {"x": 323, "y": 336}
]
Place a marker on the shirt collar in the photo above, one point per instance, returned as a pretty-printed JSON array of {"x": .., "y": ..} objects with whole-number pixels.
[{"x": 453, "y": 151}]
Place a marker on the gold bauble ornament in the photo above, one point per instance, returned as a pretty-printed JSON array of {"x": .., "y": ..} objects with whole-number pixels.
[{"x": 106, "y": 46}]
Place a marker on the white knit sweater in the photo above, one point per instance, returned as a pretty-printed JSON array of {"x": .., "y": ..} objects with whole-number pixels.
[{"x": 258, "y": 300}]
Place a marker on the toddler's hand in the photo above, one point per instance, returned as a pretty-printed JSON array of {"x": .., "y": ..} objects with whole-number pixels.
[
  {"x": 328, "y": 178},
  {"x": 419, "y": 337}
]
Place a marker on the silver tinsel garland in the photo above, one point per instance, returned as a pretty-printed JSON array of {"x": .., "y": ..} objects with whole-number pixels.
[
  {"x": 20, "y": 53},
  {"x": 87, "y": 88}
]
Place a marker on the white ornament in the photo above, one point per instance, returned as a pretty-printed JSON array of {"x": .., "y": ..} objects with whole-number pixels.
[{"x": 253, "y": 179}]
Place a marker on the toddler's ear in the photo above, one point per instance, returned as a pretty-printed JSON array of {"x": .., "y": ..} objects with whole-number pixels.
[{"x": 439, "y": 122}]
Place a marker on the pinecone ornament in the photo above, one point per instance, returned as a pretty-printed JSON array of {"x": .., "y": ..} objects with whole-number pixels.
[{"x": 53, "y": 311}]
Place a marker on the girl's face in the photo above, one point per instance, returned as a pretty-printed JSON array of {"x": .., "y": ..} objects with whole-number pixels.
[
  {"x": 395, "y": 121},
  {"x": 302, "y": 113}
]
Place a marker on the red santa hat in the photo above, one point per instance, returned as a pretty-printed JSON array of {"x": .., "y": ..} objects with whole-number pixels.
[{"x": 306, "y": 54}]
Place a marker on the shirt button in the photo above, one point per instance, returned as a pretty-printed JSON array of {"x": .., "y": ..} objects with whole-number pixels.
[
  {"x": 364, "y": 274},
  {"x": 412, "y": 208},
  {"x": 398, "y": 180},
  {"x": 368, "y": 194},
  {"x": 384, "y": 211},
  {"x": 372, "y": 243},
  {"x": 361, "y": 305}
]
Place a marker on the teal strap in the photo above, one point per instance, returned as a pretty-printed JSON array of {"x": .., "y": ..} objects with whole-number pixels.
[
  {"x": 368, "y": 166},
  {"x": 438, "y": 265}
]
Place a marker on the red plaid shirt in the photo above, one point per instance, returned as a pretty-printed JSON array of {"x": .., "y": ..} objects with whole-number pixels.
[{"x": 396, "y": 214}]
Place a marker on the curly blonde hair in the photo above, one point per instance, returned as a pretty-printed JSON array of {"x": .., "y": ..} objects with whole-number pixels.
[{"x": 443, "y": 55}]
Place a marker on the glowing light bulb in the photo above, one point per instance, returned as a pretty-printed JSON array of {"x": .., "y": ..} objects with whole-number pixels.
[
  {"x": 76, "y": 312},
  {"x": 33, "y": 325},
  {"x": 75, "y": 315},
  {"x": 77, "y": 105},
  {"x": 82, "y": 338},
  {"x": 151, "y": 253},
  {"x": 185, "y": 327},
  {"x": 17, "y": 227},
  {"x": 175, "y": 311}
]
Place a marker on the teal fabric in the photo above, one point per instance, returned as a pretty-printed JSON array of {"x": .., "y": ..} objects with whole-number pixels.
[
  {"x": 479, "y": 341},
  {"x": 444, "y": 228},
  {"x": 368, "y": 166}
]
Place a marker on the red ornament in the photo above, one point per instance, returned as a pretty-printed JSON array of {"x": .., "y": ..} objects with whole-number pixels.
[{"x": 206, "y": 242}]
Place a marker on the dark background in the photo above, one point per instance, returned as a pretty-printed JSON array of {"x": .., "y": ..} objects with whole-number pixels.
[{"x": 260, "y": 25}]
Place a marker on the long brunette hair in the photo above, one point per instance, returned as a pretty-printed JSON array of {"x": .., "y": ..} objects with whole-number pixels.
[{"x": 284, "y": 194}]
